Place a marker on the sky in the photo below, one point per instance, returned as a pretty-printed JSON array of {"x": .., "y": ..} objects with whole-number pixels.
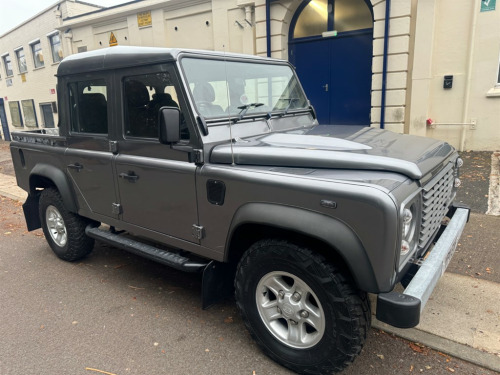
[{"x": 14, "y": 12}]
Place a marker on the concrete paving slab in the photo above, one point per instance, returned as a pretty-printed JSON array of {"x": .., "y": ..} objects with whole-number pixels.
[
  {"x": 9, "y": 188},
  {"x": 462, "y": 319},
  {"x": 465, "y": 310}
]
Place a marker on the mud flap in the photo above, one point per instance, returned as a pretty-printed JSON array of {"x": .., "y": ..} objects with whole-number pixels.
[
  {"x": 217, "y": 283},
  {"x": 30, "y": 208}
]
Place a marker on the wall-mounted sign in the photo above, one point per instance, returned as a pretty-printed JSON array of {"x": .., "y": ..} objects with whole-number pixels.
[
  {"x": 488, "y": 5},
  {"x": 112, "y": 40},
  {"x": 52, "y": 91},
  {"x": 5, "y": 98},
  {"x": 144, "y": 19},
  {"x": 23, "y": 77}
]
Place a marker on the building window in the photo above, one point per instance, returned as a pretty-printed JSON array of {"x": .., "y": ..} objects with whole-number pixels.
[
  {"x": 21, "y": 61},
  {"x": 29, "y": 113},
  {"x": 89, "y": 107},
  {"x": 15, "y": 114},
  {"x": 55, "y": 46},
  {"x": 8, "y": 66},
  {"x": 320, "y": 16},
  {"x": 36, "y": 51}
]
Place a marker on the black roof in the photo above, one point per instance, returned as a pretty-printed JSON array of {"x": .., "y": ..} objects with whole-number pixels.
[{"x": 124, "y": 56}]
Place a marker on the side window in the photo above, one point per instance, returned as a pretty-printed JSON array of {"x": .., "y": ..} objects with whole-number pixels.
[
  {"x": 144, "y": 95},
  {"x": 88, "y": 106}
]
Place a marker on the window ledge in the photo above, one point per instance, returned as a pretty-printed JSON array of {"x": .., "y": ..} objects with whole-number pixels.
[
  {"x": 40, "y": 67},
  {"x": 494, "y": 92}
]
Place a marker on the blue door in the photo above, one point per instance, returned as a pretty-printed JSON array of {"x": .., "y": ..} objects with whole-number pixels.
[
  {"x": 3, "y": 120},
  {"x": 333, "y": 59}
]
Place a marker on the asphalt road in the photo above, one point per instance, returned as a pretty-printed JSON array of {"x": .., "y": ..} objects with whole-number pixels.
[{"x": 122, "y": 314}]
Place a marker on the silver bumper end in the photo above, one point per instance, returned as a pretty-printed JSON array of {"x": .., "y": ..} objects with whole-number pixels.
[{"x": 403, "y": 309}]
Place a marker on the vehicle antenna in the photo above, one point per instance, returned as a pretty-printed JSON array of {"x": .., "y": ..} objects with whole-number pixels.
[{"x": 228, "y": 107}]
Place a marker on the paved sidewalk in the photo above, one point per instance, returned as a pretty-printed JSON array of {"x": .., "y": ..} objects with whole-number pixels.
[{"x": 9, "y": 188}]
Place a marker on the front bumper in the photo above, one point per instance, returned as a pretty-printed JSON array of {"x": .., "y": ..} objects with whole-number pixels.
[{"x": 403, "y": 310}]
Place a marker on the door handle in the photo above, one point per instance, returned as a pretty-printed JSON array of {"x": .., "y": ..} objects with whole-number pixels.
[
  {"x": 77, "y": 166},
  {"x": 325, "y": 87},
  {"x": 130, "y": 176}
]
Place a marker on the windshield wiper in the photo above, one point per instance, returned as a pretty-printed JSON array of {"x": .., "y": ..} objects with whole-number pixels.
[
  {"x": 244, "y": 110},
  {"x": 290, "y": 102}
]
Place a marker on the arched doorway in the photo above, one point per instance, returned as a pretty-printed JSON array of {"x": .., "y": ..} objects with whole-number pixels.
[{"x": 331, "y": 46}]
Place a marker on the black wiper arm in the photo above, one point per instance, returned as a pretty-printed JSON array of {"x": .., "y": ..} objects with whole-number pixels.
[
  {"x": 290, "y": 102},
  {"x": 245, "y": 108}
]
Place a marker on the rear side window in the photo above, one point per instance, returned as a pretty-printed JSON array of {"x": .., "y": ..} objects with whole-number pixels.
[{"x": 89, "y": 106}]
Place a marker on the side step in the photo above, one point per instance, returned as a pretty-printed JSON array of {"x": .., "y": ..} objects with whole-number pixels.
[{"x": 168, "y": 258}]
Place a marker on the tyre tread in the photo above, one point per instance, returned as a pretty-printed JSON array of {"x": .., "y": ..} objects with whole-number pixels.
[{"x": 357, "y": 313}]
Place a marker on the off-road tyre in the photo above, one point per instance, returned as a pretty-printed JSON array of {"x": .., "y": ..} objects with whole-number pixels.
[
  {"x": 71, "y": 226},
  {"x": 347, "y": 315}
]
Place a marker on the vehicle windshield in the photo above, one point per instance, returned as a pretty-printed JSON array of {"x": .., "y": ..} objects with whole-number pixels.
[{"x": 222, "y": 89}]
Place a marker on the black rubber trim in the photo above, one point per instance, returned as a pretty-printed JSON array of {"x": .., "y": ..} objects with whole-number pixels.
[{"x": 398, "y": 310}]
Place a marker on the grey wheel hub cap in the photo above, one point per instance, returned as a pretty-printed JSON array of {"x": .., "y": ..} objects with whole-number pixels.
[
  {"x": 290, "y": 310},
  {"x": 56, "y": 226}
]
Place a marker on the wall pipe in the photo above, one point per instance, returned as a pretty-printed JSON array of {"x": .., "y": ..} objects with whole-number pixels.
[
  {"x": 384, "y": 62},
  {"x": 268, "y": 27}
]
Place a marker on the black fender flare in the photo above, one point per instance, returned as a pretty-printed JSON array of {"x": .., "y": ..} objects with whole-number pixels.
[
  {"x": 58, "y": 177},
  {"x": 324, "y": 228}
]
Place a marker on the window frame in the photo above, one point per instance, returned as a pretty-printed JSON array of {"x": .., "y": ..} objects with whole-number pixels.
[
  {"x": 34, "y": 54},
  {"x": 29, "y": 103},
  {"x": 18, "y": 110},
  {"x": 6, "y": 65},
  {"x": 77, "y": 81},
  {"x": 18, "y": 52},
  {"x": 52, "y": 45}
]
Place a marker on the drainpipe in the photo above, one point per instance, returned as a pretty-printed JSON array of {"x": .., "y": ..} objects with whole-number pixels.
[
  {"x": 472, "y": 44},
  {"x": 68, "y": 36},
  {"x": 384, "y": 63},
  {"x": 268, "y": 27}
]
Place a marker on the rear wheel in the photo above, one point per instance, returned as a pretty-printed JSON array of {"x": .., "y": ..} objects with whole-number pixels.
[
  {"x": 302, "y": 311},
  {"x": 64, "y": 230}
]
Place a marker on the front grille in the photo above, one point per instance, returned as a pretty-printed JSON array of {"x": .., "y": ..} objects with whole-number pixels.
[{"x": 437, "y": 196}]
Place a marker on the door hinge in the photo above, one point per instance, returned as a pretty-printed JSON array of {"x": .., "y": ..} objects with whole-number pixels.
[
  {"x": 198, "y": 156},
  {"x": 113, "y": 146},
  {"x": 116, "y": 208},
  {"x": 198, "y": 232}
]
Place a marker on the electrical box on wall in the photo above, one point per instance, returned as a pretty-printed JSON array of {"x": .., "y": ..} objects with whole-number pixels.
[{"x": 448, "y": 82}]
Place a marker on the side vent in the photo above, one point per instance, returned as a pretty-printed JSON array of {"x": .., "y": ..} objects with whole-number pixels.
[{"x": 216, "y": 192}]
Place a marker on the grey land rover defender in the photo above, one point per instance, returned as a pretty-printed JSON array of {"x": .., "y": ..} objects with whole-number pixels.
[{"x": 215, "y": 163}]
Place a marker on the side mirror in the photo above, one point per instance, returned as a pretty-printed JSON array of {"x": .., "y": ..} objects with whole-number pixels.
[{"x": 170, "y": 125}]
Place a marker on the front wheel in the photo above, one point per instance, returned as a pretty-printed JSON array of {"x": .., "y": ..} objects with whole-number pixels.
[
  {"x": 64, "y": 230},
  {"x": 302, "y": 311}
]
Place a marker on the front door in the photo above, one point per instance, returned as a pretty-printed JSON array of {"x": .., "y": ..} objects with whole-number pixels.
[
  {"x": 331, "y": 47},
  {"x": 156, "y": 183},
  {"x": 3, "y": 120}
]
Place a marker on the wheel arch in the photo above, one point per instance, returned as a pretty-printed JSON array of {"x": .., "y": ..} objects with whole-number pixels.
[
  {"x": 44, "y": 175},
  {"x": 328, "y": 236}
]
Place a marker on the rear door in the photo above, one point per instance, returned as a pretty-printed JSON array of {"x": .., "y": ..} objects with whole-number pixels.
[
  {"x": 88, "y": 156},
  {"x": 156, "y": 183}
]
